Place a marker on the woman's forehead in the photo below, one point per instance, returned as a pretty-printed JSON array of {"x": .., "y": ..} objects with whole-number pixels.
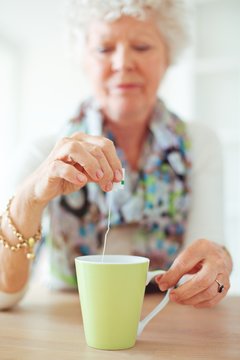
[{"x": 126, "y": 27}]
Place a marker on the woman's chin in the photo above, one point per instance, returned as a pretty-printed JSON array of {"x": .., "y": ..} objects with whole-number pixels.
[{"x": 126, "y": 107}]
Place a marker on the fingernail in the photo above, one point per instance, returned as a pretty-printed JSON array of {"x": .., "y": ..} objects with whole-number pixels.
[
  {"x": 173, "y": 297},
  {"x": 118, "y": 175},
  {"x": 158, "y": 278},
  {"x": 163, "y": 286},
  {"x": 81, "y": 177},
  {"x": 109, "y": 186},
  {"x": 99, "y": 174}
]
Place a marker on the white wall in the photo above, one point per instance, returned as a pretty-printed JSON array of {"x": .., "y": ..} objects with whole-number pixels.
[
  {"x": 41, "y": 87},
  {"x": 49, "y": 83},
  {"x": 10, "y": 58},
  {"x": 217, "y": 101}
]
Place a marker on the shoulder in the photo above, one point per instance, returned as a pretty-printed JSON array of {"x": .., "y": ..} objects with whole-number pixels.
[
  {"x": 201, "y": 135},
  {"x": 206, "y": 147}
]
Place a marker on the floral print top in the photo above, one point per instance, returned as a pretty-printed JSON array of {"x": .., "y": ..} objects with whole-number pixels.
[{"x": 156, "y": 198}]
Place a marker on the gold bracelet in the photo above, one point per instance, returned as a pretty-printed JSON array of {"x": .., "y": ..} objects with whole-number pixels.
[{"x": 23, "y": 243}]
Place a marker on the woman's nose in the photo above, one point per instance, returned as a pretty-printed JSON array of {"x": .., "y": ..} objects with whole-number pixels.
[{"x": 122, "y": 59}]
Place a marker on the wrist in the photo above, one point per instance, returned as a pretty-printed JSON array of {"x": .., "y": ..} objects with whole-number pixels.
[
  {"x": 25, "y": 212},
  {"x": 27, "y": 195},
  {"x": 25, "y": 203}
]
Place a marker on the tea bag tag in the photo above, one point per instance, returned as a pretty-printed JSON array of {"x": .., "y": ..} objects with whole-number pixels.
[{"x": 119, "y": 185}]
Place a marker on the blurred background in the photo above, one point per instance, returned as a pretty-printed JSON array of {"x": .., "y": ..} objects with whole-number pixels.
[{"x": 41, "y": 86}]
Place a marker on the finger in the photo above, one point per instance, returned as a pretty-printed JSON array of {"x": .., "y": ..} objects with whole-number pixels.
[
  {"x": 60, "y": 169},
  {"x": 73, "y": 151},
  {"x": 205, "y": 295},
  {"x": 212, "y": 302},
  {"x": 211, "y": 295},
  {"x": 106, "y": 182},
  {"x": 110, "y": 152},
  {"x": 108, "y": 148},
  {"x": 197, "y": 283},
  {"x": 182, "y": 265}
]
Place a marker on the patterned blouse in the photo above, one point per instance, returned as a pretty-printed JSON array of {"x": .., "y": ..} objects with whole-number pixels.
[{"x": 155, "y": 198}]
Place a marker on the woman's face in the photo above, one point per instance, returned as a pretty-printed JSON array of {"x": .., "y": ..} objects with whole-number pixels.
[{"x": 126, "y": 60}]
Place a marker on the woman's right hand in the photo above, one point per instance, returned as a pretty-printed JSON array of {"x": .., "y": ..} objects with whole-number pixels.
[{"x": 72, "y": 163}]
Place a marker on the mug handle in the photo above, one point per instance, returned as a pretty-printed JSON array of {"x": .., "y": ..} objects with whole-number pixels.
[{"x": 159, "y": 307}]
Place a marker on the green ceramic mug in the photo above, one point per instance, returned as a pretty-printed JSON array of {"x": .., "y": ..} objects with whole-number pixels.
[{"x": 111, "y": 291}]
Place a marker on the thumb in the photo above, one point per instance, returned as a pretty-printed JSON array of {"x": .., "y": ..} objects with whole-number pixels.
[{"x": 181, "y": 266}]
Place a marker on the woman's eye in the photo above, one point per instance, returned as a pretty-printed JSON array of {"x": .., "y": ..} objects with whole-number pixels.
[
  {"x": 142, "y": 47},
  {"x": 104, "y": 49}
]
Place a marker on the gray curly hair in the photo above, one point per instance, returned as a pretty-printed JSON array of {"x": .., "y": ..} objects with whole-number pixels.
[{"x": 171, "y": 18}]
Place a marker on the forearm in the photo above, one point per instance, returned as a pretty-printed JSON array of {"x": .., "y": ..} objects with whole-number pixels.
[{"x": 26, "y": 214}]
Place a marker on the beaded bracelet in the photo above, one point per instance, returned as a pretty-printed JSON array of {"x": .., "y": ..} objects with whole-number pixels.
[{"x": 23, "y": 243}]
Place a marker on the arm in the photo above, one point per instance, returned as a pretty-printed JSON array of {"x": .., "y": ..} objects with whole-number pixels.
[
  {"x": 204, "y": 257},
  {"x": 206, "y": 217},
  {"x": 70, "y": 165},
  {"x": 14, "y": 266},
  {"x": 207, "y": 182}
]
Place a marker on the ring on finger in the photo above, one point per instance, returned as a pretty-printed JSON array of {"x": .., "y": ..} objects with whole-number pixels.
[{"x": 220, "y": 286}]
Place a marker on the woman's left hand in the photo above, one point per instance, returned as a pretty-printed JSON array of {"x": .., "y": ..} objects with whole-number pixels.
[{"x": 207, "y": 262}]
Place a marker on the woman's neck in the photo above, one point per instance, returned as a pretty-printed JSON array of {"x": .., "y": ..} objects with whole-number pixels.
[{"x": 130, "y": 136}]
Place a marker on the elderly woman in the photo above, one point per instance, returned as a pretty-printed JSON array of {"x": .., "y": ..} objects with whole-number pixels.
[{"x": 167, "y": 210}]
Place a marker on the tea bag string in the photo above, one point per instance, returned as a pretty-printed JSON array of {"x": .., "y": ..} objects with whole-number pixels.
[
  {"x": 110, "y": 196},
  {"x": 108, "y": 223}
]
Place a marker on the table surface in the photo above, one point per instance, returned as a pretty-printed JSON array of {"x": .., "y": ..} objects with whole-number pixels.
[{"x": 48, "y": 325}]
